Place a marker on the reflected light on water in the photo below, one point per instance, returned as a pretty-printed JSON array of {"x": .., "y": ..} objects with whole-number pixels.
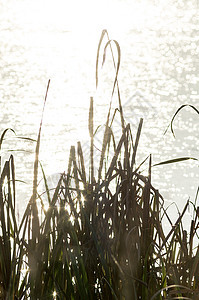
[
  {"x": 78, "y": 15},
  {"x": 84, "y": 15},
  {"x": 58, "y": 40}
]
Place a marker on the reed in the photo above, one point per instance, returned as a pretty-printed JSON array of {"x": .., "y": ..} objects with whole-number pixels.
[{"x": 101, "y": 238}]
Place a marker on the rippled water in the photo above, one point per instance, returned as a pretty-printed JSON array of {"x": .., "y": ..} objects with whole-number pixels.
[{"x": 159, "y": 70}]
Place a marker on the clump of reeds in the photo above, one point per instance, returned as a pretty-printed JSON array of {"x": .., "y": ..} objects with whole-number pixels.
[{"x": 102, "y": 236}]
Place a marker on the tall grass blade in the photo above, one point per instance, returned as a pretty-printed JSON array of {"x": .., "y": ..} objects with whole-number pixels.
[
  {"x": 175, "y": 160},
  {"x": 81, "y": 163},
  {"x": 35, "y": 220},
  {"x": 3, "y": 135},
  {"x": 136, "y": 143},
  {"x": 92, "y": 141},
  {"x": 171, "y": 287},
  {"x": 98, "y": 53},
  {"x": 118, "y": 60},
  {"x": 117, "y": 151},
  {"x": 176, "y": 224},
  {"x": 181, "y": 107}
]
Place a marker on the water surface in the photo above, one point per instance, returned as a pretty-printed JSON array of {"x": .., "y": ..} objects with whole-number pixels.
[{"x": 159, "y": 43}]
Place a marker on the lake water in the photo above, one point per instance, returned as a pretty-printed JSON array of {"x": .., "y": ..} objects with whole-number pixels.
[{"x": 159, "y": 43}]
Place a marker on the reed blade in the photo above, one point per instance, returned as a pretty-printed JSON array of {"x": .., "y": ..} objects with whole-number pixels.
[
  {"x": 174, "y": 160},
  {"x": 3, "y": 135},
  {"x": 35, "y": 219},
  {"x": 174, "y": 116},
  {"x": 91, "y": 132},
  {"x": 136, "y": 143}
]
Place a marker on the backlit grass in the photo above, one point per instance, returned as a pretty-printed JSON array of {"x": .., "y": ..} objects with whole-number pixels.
[{"x": 102, "y": 236}]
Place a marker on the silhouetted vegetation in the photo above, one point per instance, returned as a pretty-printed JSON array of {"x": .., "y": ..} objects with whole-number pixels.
[{"x": 102, "y": 236}]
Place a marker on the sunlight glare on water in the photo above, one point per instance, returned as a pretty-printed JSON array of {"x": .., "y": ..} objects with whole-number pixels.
[{"x": 58, "y": 40}]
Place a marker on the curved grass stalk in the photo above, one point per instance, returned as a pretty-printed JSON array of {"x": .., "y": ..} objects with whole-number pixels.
[{"x": 174, "y": 116}]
